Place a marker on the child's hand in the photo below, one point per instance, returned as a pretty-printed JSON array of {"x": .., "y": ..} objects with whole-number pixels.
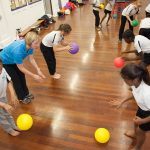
[
  {"x": 8, "y": 108},
  {"x": 68, "y": 47},
  {"x": 14, "y": 101},
  {"x": 116, "y": 103},
  {"x": 138, "y": 120},
  {"x": 41, "y": 74}
]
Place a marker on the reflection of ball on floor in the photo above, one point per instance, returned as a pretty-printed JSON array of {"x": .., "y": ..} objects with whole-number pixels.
[
  {"x": 118, "y": 62},
  {"x": 102, "y": 135},
  {"x": 74, "y": 48},
  {"x": 24, "y": 122}
]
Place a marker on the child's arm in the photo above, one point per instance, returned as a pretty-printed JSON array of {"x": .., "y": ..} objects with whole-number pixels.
[
  {"x": 132, "y": 51},
  {"x": 13, "y": 97},
  {"x": 7, "y": 107},
  {"x": 64, "y": 43},
  {"x": 118, "y": 103},
  {"x": 137, "y": 120},
  {"x": 58, "y": 48}
]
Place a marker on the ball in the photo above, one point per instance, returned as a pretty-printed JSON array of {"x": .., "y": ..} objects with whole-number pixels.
[
  {"x": 102, "y": 6},
  {"x": 135, "y": 23},
  {"x": 102, "y": 135},
  {"x": 24, "y": 122},
  {"x": 74, "y": 48},
  {"x": 118, "y": 62}
]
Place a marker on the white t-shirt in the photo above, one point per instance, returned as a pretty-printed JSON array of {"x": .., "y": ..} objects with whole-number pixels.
[
  {"x": 145, "y": 23},
  {"x": 147, "y": 9},
  {"x": 96, "y": 3},
  {"x": 142, "y": 44},
  {"x": 4, "y": 78},
  {"x": 52, "y": 38},
  {"x": 130, "y": 10},
  {"x": 142, "y": 96},
  {"x": 110, "y": 5}
]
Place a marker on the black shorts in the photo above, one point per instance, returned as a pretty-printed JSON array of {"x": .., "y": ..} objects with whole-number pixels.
[
  {"x": 147, "y": 14},
  {"x": 146, "y": 59},
  {"x": 145, "y": 32},
  {"x": 143, "y": 114},
  {"x": 107, "y": 11}
]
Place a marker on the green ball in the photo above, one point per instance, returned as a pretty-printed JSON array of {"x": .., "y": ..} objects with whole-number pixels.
[{"x": 135, "y": 23}]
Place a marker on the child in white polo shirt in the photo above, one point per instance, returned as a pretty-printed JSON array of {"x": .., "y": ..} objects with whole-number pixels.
[
  {"x": 128, "y": 14},
  {"x": 144, "y": 28},
  {"x": 138, "y": 78},
  {"x": 6, "y": 120},
  {"x": 141, "y": 44},
  {"x": 108, "y": 10},
  {"x": 53, "y": 42}
]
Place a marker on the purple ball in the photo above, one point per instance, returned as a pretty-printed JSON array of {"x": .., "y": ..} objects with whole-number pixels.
[{"x": 74, "y": 48}]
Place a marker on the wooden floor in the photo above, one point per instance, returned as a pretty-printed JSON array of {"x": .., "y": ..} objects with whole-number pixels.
[{"x": 66, "y": 112}]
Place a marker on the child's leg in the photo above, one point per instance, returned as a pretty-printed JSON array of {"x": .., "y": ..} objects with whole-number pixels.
[
  {"x": 108, "y": 18},
  {"x": 140, "y": 139},
  {"x": 97, "y": 18},
  {"x": 49, "y": 57},
  {"x": 122, "y": 26},
  {"x": 7, "y": 126},
  {"x": 105, "y": 15}
]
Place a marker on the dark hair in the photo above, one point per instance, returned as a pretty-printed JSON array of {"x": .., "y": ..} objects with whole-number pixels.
[
  {"x": 128, "y": 34},
  {"x": 65, "y": 27},
  {"x": 132, "y": 71}
]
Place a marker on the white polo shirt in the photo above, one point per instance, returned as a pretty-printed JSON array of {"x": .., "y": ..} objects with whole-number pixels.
[
  {"x": 110, "y": 5},
  {"x": 130, "y": 10},
  {"x": 4, "y": 78},
  {"x": 96, "y": 3},
  {"x": 142, "y": 96},
  {"x": 147, "y": 9},
  {"x": 142, "y": 44},
  {"x": 52, "y": 38},
  {"x": 145, "y": 23}
]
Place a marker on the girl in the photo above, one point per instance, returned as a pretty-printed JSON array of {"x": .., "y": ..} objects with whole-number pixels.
[
  {"x": 96, "y": 8},
  {"x": 12, "y": 57},
  {"x": 108, "y": 10},
  {"x": 52, "y": 42},
  {"x": 128, "y": 14},
  {"x": 6, "y": 120},
  {"x": 138, "y": 78},
  {"x": 141, "y": 44},
  {"x": 145, "y": 24}
]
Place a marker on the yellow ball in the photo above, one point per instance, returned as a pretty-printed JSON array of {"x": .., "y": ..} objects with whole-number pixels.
[
  {"x": 102, "y": 135},
  {"x": 24, "y": 122},
  {"x": 101, "y": 6}
]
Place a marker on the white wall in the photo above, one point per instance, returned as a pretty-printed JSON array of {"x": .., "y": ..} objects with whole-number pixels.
[{"x": 20, "y": 18}]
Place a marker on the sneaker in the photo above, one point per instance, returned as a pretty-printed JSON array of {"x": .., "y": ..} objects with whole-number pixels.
[
  {"x": 30, "y": 96},
  {"x": 98, "y": 28},
  {"x": 26, "y": 100}
]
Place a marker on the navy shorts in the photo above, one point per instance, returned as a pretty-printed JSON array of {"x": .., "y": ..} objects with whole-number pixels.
[
  {"x": 107, "y": 11},
  {"x": 143, "y": 114}
]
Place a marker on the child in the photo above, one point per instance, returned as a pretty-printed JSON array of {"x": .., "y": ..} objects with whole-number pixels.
[
  {"x": 138, "y": 78},
  {"x": 13, "y": 57},
  {"x": 141, "y": 44},
  {"x": 53, "y": 42},
  {"x": 6, "y": 120},
  {"x": 108, "y": 10},
  {"x": 128, "y": 14},
  {"x": 145, "y": 25},
  {"x": 147, "y": 10},
  {"x": 96, "y": 8}
]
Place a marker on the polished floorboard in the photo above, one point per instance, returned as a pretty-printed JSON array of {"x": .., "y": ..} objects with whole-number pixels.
[{"x": 67, "y": 112}]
